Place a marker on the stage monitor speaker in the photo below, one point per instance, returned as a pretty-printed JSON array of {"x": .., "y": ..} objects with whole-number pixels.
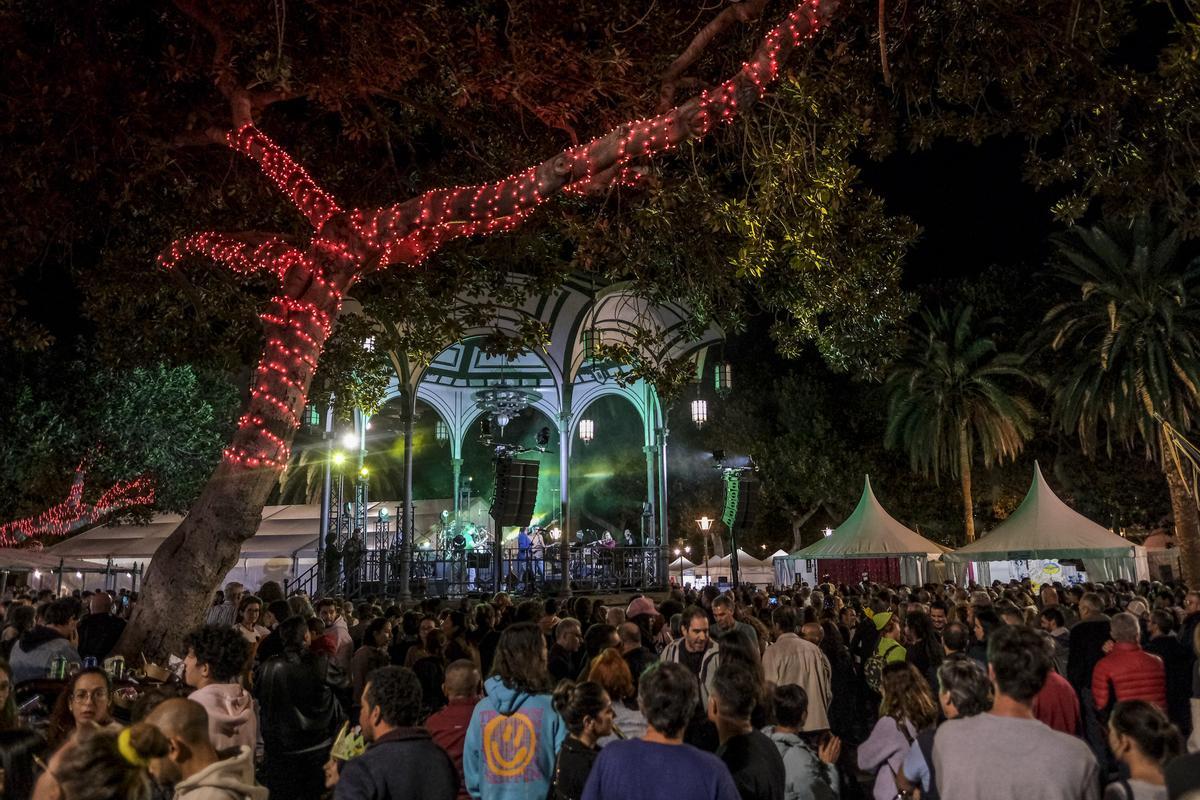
[{"x": 516, "y": 492}]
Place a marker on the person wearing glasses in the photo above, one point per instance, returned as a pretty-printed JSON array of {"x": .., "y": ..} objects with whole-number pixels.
[{"x": 87, "y": 699}]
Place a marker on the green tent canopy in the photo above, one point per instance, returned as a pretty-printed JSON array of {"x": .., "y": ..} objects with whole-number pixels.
[
  {"x": 870, "y": 532},
  {"x": 1044, "y": 527}
]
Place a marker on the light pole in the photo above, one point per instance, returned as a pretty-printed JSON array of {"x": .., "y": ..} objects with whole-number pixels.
[
  {"x": 677, "y": 551},
  {"x": 705, "y": 523}
]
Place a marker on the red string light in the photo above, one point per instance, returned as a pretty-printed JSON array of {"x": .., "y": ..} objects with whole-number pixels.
[
  {"x": 313, "y": 281},
  {"x": 72, "y": 513}
]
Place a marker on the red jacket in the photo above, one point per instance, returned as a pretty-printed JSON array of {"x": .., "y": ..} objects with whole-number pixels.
[
  {"x": 1129, "y": 673},
  {"x": 449, "y": 729},
  {"x": 1056, "y": 704}
]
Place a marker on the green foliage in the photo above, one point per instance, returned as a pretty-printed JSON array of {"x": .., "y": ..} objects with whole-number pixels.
[
  {"x": 951, "y": 380},
  {"x": 1128, "y": 346}
]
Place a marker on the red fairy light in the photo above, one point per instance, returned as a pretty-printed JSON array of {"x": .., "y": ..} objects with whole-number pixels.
[
  {"x": 72, "y": 513},
  {"x": 313, "y": 280}
]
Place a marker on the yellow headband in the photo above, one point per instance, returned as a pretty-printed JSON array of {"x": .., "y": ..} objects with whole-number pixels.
[{"x": 128, "y": 751}]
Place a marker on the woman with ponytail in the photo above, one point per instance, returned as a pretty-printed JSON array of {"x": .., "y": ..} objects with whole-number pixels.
[
  {"x": 101, "y": 765},
  {"x": 588, "y": 713},
  {"x": 1144, "y": 740}
]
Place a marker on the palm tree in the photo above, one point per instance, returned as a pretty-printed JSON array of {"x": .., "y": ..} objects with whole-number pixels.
[
  {"x": 949, "y": 396},
  {"x": 1130, "y": 349}
]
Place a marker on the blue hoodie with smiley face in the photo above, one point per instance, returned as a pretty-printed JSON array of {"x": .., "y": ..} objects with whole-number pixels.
[{"x": 511, "y": 744}]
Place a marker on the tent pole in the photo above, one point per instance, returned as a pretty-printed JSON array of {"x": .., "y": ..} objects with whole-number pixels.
[{"x": 58, "y": 590}]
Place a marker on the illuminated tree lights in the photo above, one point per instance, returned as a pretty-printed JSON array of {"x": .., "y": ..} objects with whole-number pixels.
[
  {"x": 72, "y": 513},
  {"x": 347, "y": 244}
]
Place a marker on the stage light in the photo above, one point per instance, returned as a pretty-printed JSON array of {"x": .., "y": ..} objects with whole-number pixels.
[
  {"x": 383, "y": 512},
  {"x": 718, "y": 455}
]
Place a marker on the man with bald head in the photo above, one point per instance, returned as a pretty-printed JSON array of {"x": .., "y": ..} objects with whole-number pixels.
[
  {"x": 99, "y": 630},
  {"x": 192, "y": 765},
  {"x": 636, "y": 655}
]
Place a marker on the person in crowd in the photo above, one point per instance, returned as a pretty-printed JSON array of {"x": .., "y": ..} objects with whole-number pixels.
[
  {"x": 335, "y": 626},
  {"x": 635, "y": 652},
  {"x": 1054, "y": 623},
  {"x": 427, "y": 626},
  {"x": 695, "y": 650},
  {"x": 299, "y": 715},
  {"x": 809, "y": 774},
  {"x": 402, "y": 762},
  {"x": 908, "y": 707},
  {"x": 986, "y": 622},
  {"x": 1144, "y": 741},
  {"x": 668, "y": 693},
  {"x": 567, "y": 656},
  {"x": 1024, "y": 758},
  {"x": 250, "y": 611},
  {"x": 18, "y": 620},
  {"x": 1050, "y": 599},
  {"x": 103, "y": 765},
  {"x": 100, "y": 629},
  {"x": 215, "y": 661},
  {"x": 271, "y": 644},
  {"x": 923, "y": 645},
  {"x": 448, "y": 727},
  {"x": 1127, "y": 672},
  {"x": 1056, "y": 704},
  {"x": 1191, "y": 615},
  {"x": 956, "y": 639},
  {"x": 85, "y": 700},
  {"x": 723, "y": 608},
  {"x": 516, "y": 716},
  {"x": 845, "y": 687},
  {"x": 8, "y": 699},
  {"x": 429, "y": 665},
  {"x": 599, "y": 637},
  {"x": 586, "y": 710},
  {"x": 191, "y": 764},
  {"x": 485, "y": 635},
  {"x": 939, "y": 615},
  {"x": 454, "y": 628},
  {"x": 888, "y": 650},
  {"x": 226, "y": 612},
  {"x": 611, "y": 672},
  {"x": 372, "y": 655},
  {"x": 1088, "y": 639},
  {"x": 963, "y": 691},
  {"x": 791, "y": 659},
  {"x": 847, "y": 623},
  {"x": 19, "y": 747},
  {"x": 1177, "y": 658},
  {"x": 40, "y": 645},
  {"x": 752, "y": 758},
  {"x": 363, "y": 614}
]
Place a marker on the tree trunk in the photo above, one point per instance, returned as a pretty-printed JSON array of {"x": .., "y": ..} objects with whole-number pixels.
[
  {"x": 798, "y": 522},
  {"x": 1187, "y": 524},
  {"x": 964, "y": 472}
]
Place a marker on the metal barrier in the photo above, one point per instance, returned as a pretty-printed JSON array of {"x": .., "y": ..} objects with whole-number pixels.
[{"x": 458, "y": 573}]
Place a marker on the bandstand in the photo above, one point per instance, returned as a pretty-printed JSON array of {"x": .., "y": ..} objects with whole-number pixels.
[{"x": 476, "y": 394}]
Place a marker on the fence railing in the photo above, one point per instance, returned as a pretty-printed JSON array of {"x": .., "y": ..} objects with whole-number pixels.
[{"x": 455, "y": 573}]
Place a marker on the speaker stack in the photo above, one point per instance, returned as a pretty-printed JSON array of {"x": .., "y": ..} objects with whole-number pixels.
[{"x": 516, "y": 492}]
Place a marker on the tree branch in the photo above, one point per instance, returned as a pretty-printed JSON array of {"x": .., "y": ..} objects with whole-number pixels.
[
  {"x": 243, "y": 253},
  {"x": 411, "y": 231},
  {"x": 743, "y": 12},
  {"x": 311, "y": 200}
]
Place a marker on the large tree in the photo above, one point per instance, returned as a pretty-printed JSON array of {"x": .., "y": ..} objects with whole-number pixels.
[
  {"x": 953, "y": 397},
  {"x": 315, "y": 275},
  {"x": 1129, "y": 348}
]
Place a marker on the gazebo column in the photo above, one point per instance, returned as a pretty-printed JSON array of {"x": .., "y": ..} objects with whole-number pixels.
[
  {"x": 663, "y": 432},
  {"x": 456, "y": 466},
  {"x": 564, "y": 482},
  {"x": 651, "y": 467},
  {"x": 407, "y": 521}
]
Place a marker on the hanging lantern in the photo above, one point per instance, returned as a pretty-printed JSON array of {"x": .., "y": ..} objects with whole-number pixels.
[
  {"x": 591, "y": 341},
  {"x": 699, "y": 412},
  {"x": 442, "y": 431},
  {"x": 723, "y": 378},
  {"x": 312, "y": 416},
  {"x": 587, "y": 430}
]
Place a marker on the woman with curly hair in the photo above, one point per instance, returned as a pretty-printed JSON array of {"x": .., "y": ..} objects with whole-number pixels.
[
  {"x": 908, "y": 708},
  {"x": 516, "y": 720},
  {"x": 86, "y": 700}
]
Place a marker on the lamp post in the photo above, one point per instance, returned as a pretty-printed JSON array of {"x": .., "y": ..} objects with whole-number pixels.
[
  {"x": 677, "y": 551},
  {"x": 705, "y": 523}
]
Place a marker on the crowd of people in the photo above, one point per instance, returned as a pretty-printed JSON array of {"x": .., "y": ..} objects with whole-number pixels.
[{"x": 806, "y": 693}]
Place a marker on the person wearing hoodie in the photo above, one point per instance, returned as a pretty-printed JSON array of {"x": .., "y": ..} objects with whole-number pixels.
[
  {"x": 39, "y": 646},
  {"x": 192, "y": 765},
  {"x": 811, "y": 774},
  {"x": 515, "y": 733},
  {"x": 216, "y": 658}
]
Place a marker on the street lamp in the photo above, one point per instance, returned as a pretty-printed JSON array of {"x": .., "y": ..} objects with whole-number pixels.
[
  {"x": 350, "y": 440},
  {"x": 828, "y": 532},
  {"x": 677, "y": 555},
  {"x": 705, "y": 524}
]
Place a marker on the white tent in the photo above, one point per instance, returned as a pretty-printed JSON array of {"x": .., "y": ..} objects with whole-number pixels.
[
  {"x": 1042, "y": 531},
  {"x": 869, "y": 534}
]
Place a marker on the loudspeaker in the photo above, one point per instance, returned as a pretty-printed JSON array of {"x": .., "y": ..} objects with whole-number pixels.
[
  {"x": 516, "y": 492},
  {"x": 745, "y": 495}
]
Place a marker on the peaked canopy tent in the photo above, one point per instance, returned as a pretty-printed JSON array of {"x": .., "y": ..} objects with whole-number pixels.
[
  {"x": 1042, "y": 532},
  {"x": 870, "y": 541}
]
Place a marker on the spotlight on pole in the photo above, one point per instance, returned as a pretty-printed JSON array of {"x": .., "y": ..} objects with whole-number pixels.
[{"x": 350, "y": 440}]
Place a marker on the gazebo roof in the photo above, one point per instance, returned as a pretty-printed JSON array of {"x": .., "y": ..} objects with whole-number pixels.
[
  {"x": 1043, "y": 526},
  {"x": 870, "y": 532}
]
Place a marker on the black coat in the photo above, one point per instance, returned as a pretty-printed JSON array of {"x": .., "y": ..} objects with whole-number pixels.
[
  {"x": 98, "y": 634},
  {"x": 571, "y": 769},
  {"x": 298, "y": 711},
  {"x": 404, "y": 764},
  {"x": 1178, "y": 661},
  {"x": 1086, "y": 649}
]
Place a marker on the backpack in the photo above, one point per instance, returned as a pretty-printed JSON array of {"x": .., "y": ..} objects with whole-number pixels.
[{"x": 873, "y": 669}]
